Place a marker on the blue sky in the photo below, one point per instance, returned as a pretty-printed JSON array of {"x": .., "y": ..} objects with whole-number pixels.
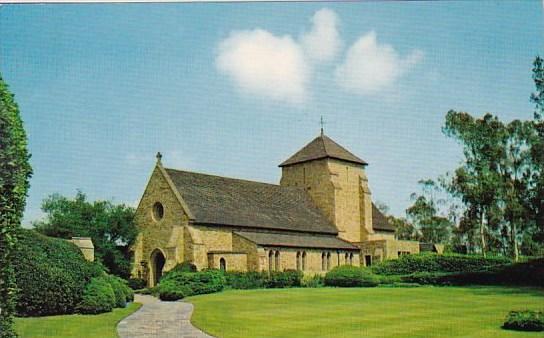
[{"x": 235, "y": 89}]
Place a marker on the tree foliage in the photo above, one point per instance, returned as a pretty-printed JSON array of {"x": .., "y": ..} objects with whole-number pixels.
[
  {"x": 110, "y": 226},
  {"x": 15, "y": 173}
]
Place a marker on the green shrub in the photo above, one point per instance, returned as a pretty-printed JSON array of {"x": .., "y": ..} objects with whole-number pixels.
[
  {"x": 170, "y": 290},
  {"x": 136, "y": 283},
  {"x": 409, "y": 264},
  {"x": 51, "y": 274},
  {"x": 183, "y": 267},
  {"x": 122, "y": 292},
  {"x": 350, "y": 276},
  {"x": 98, "y": 297},
  {"x": 119, "y": 293},
  {"x": 192, "y": 283},
  {"x": 285, "y": 279},
  {"x": 246, "y": 280},
  {"x": 315, "y": 281},
  {"x": 524, "y": 321},
  {"x": 529, "y": 273}
]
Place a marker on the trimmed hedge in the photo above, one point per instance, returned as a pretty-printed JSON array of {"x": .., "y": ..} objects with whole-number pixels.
[
  {"x": 246, "y": 280},
  {"x": 409, "y": 264},
  {"x": 261, "y": 280},
  {"x": 524, "y": 321},
  {"x": 350, "y": 276},
  {"x": 98, "y": 297},
  {"x": 51, "y": 274},
  {"x": 530, "y": 273},
  {"x": 122, "y": 292},
  {"x": 190, "y": 283},
  {"x": 285, "y": 279}
]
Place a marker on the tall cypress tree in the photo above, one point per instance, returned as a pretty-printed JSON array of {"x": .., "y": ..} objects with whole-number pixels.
[{"x": 15, "y": 173}]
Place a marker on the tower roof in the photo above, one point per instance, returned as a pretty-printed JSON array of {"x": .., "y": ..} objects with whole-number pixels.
[{"x": 322, "y": 147}]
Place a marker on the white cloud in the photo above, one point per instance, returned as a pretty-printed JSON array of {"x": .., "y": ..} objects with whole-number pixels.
[
  {"x": 322, "y": 43},
  {"x": 370, "y": 67},
  {"x": 264, "y": 64}
]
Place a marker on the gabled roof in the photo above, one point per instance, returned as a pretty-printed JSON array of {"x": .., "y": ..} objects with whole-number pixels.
[
  {"x": 227, "y": 201},
  {"x": 379, "y": 221},
  {"x": 296, "y": 240},
  {"x": 319, "y": 148}
]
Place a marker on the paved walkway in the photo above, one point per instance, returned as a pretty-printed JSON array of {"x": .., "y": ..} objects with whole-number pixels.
[{"x": 159, "y": 319}]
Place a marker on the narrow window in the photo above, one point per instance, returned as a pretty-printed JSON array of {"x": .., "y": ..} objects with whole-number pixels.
[
  {"x": 346, "y": 259},
  {"x": 351, "y": 258},
  {"x": 277, "y": 268},
  {"x": 298, "y": 260},
  {"x": 270, "y": 261},
  {"x": 222, "y": 264},
  {"x": 328, "y": 261},
  {"x": 304, "y": 261},
  {"x": 323, "y": 262}
]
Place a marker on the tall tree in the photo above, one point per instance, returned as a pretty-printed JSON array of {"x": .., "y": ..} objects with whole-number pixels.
[
  {"x": 537, "y": 150},
  {"x": 477, "y": 180},
  {"x": 15, "y": 173},
  {"x": 424, "y": 214},
  {"x": 110, "y": 226}
]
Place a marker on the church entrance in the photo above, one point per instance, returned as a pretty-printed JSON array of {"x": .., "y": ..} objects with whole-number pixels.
[{"x": 157, "y": 264}]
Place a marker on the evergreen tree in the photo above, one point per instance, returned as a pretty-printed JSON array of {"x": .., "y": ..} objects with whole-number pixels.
[{"x": 15, "y": 173}]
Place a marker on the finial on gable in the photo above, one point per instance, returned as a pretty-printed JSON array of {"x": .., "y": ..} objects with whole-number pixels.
[{"x": 159, "y": 157}]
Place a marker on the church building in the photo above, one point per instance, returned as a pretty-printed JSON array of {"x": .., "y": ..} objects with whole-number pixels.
[{"x": 321, "y": 215}]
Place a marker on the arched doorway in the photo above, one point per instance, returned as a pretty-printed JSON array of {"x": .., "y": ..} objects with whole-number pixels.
[
  {"x": 157, "y": 264},
  {"x": 222, "y": 265}
]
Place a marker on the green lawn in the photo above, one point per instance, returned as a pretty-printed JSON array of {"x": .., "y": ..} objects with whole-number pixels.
[
  {"x": 364, "y": 312},
  {"x": 80, "y": 326}
]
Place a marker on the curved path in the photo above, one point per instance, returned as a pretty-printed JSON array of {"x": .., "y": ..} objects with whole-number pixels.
[{"x": 159, "y": 319}]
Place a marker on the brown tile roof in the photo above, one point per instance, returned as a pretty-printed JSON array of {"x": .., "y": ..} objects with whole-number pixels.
[
  {"x": 296, "y": 240},
  {"x": 322, "y": 147},
  {"x": 379, "y": 221},
  {"x": 234, "y": 202}
]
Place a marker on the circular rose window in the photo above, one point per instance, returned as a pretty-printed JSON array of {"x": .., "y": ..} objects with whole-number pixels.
[{"x": 158, "y": 211}]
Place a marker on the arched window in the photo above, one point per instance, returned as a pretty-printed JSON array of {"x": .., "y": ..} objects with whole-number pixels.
[
  {"x": 323, "y": 261},
  {"x": 299, "y": 258},
  {"x": 304, "y": 261},
  {"x": 277, "y": 261},
  {"x": 270, "y": 261},
  {"x": 346, "y": 259},
  {"x": 328, "y": 261},
  {"x": 351, "y": 258},
  {"x": 222, "y": 264}
]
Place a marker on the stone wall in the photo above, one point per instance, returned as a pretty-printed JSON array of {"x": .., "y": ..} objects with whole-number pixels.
[
  {"x": 166, "y": 233},
  {"x": 381, "y": 249},
  {"x": 314, "y": 259},
  {"x": 234, "y": 261},
  {"x": 85, "y": 244}
]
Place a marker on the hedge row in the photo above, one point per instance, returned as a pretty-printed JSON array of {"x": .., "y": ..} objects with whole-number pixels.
[
  {"x": 176, "y": 285},
  {"x": 51, "y": 274},
  {"x": 351, "y": 276},
  {"x": 530, "y": 273},
  {"x": 409, "y": 264},
  {"x": 261, "y": 280}
]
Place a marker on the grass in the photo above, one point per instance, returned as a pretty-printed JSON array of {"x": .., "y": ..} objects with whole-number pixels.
[
  {"x": 364, "y": 312},
  {"x": 80, "y": 326}
]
